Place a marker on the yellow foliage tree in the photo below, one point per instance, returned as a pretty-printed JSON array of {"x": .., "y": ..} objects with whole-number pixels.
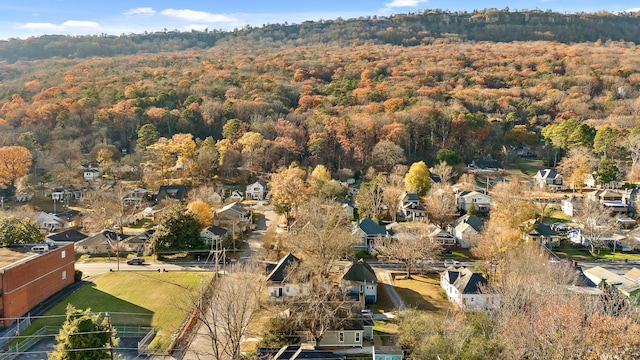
[
  {"x": 14, "y": 164},
  {"x": 418, "y": 179},
  {"x": 202, "y": 211}
]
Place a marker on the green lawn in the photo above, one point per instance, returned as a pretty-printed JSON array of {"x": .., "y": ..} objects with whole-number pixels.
[
  {"x": 584, "y": 254},
  {"x": 160, "y": 300},
  {"x": 421, "y": 292}
]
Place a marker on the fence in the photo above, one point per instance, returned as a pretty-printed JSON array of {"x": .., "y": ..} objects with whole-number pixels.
[
  {"x": 25, "y": 344},
  {"x": 143, "y": 345}
]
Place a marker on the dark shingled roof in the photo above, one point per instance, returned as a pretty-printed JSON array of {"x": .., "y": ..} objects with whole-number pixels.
[
  {"x": 278, "y": 273},
  {"x": 217, "y": 230},
  {"x": 467, "y": 282},
  {"x": 371, "y": 228},
  {"x": 472, "y": 220},
  {"x": 171, "y": 191},
  {"x": 68, "y": 235},
  {"x": 360, "y": 272}
]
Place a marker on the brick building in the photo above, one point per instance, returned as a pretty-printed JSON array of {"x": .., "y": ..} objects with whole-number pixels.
[{"x": 28, "y": 278}]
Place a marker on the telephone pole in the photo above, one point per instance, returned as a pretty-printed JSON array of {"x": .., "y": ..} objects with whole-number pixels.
[{"x": 110, "y": 335}]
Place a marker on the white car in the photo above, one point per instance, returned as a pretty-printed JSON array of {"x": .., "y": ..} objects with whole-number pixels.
[{"x": 451, "y": 262}]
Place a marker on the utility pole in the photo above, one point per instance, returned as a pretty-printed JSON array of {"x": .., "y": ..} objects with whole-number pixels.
[{"x": 110, "y": 335}]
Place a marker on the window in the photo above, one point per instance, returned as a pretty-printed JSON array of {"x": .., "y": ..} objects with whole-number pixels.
[
  {"x": 357, "y": 337},
  {"x": 64, "y": 275},
  {"x": 63, "y": 254},
  {"x": 341, "y": 337}
]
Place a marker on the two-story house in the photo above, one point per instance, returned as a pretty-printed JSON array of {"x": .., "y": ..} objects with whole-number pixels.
[
  {"x": 360, "y": 282},
  {"x": 549, "y": 179},
  {"x": 466, "y": 199},
  {"x": 367, "y": 232},
  {"x": 256, "y": 191}
]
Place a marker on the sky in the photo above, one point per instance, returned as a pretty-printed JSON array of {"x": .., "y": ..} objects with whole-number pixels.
[{"x": 28, "y": 18}]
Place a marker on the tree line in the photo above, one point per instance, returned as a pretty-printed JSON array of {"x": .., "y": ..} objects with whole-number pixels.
[{"x": 411, "y": 29}]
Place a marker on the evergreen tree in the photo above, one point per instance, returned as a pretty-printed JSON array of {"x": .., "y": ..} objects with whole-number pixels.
[
  {"x": 179, "y": 230},
  {"x": 84, "y": 336}
]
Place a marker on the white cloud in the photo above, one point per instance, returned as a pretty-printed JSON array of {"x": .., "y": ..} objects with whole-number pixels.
[
  {"x": 83, "y": 24},
  {"x": 405, "y": 3},
  {"x": 65, "y": 26},
  {"x": 196, "y": 16},
  {"x": 633, "y": 10},
  {"x": 145, "y": 11}
]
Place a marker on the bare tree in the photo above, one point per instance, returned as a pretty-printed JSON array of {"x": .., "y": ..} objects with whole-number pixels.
[
  {"x": 226, "y": 309},
  {"x": 324, "y": 234},
  {"x": 577, "y": 166},
  {"x": 596, "y": 223},
  {"x": 444, "y": 171},
  {"x": 370, "y": 197},
  {"x": 409, "y": 245},
  {"x": 441, "y": 204},
  {"x": 323, "y": 309}
]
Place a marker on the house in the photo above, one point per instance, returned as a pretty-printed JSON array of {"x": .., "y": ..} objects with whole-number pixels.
[
  {"x": 571, "y": 206},
  {"x": 50, "y": 222},
  {"x": 633, "y": 274},
  {"x": 105, "y": 242},
  {"x": 136, "y": 197},
  {"x": 67, "y": 236},
  {"x": 592, "y": 182},
  {"x": 283, "y": 282},
  {"x": 29, "y": 278},
  {"x": 360, "y": 282},
  {"x": 486, "y": 165},
  {"x": 387, "y": 353},
  {"x": 604, "y": 195},
  {"x": 541, "y": 233},
  {"x": 438, "y": 235},
  {"x": 465, "y": 288},
  {"x": 256, "y": 191},
  {"x": 176, "y": 192},
  {"x": 610, "y": 280},
  {"x": 236, "y": 195},
  {"x": 367, "y": 231},
  {"x": 466, "y": 199},
  {"x": 234, "y": 216},
  {"x": 91, "y": 174},
  {"x": 214, "y": 234},
  {"x": 466, "y": 230},
  {"x": 548, "y": 178},
  {"x": 295, "y": 352},
  {"x": 410, "y": 209},
  {"x": 348, "y": 206},
  {"x": 616, "y": 207}
]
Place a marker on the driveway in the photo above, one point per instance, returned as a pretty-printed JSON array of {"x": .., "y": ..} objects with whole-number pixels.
[{"x": 386, "y": 279}]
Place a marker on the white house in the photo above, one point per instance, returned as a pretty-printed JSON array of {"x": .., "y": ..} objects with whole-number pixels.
[
  {"x": 50, "y": 222},
  {"x": 91, "y": 174},
  {"x": 480, "y": 201},
  {"x": 466, "y": 230},
  {"x": 570, "y": 206},
  {"x": 256, "y": 191},
  {"x": 213, "y": 234},
  {"x": 548, "y": 178},
  {"x": 465, "y": 288},
  {"x": 234, "y": 216},
  {"x": 283, "y": 281}
]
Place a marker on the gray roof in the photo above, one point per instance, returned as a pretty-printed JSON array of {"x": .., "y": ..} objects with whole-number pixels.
[
  {"x": 466, "y": 281},
  {"x": 548, "y": 174},
  {"x": 67, "y": 235},
  {"x": 278, "y": 274},
  {"x": 471, "y": 220},
  {"x": 370, "y": 228},
  {"x": 171, "y": 191},
  {"x": 360, "y": 271},
  {"x": 217, "y": 230}
]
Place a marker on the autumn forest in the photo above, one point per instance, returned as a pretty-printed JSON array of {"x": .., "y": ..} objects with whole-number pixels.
[{"x": 263, "y": 103}]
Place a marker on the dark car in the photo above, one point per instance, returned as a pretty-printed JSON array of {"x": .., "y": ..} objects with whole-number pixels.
[{"x": 135, "y": 261}]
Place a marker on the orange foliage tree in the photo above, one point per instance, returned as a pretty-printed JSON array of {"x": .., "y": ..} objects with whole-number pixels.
[{"x": 14, "y": 163}]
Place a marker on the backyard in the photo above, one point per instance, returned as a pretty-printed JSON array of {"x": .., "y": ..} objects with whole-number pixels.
[
  {"x": 422, "y": 292},
  {"x": 159, "y": 300}
]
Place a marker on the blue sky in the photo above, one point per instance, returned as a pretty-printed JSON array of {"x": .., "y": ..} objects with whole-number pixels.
[{"x": 28, "y": 18}]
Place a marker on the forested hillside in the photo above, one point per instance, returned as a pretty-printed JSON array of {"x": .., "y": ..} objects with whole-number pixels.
[
  {"x": 314, "y": 100},
  {"x": 431, "y": 26}
]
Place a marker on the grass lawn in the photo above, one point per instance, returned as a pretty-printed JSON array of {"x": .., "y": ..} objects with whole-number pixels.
[
  {"x": 584, "y": 254},
  {"x": 383, "y": 303},
  {"x": 160, "y": 300},
  {"x": 385, "y": 333},
  {"x": 422, "y": 292}
]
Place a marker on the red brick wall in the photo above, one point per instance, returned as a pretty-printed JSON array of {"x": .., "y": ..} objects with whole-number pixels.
[{"x": 28, "y": 284}]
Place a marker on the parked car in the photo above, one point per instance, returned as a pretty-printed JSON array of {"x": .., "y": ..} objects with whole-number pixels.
[
  {"x": 135, "y": 261},
  {"x": 451, "y": 262}
]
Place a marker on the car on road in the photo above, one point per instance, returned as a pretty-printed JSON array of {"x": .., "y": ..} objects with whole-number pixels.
[
  {"x": 451, "y": 262},
  {"x": 135, "y": 261}
]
